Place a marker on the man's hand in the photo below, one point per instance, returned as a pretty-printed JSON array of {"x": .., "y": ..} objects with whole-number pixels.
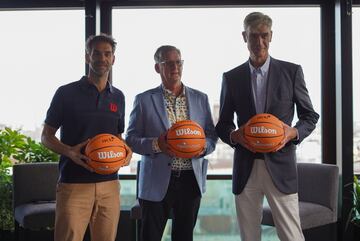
[
  {"x": 290, "y": 133},
  {"x": 238, "y": 137},
  {"x": 164, "y": 147},
  {"x": 201, "y": 154},
  {"x": 128, "y": 155},
  {"x": 76, "y": 156}
]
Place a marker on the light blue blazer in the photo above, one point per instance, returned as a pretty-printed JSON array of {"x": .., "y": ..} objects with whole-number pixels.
[{"x": 148, "y": 120}]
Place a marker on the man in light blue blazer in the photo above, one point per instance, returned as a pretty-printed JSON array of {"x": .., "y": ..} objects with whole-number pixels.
[{"x": 167, "y": 182}]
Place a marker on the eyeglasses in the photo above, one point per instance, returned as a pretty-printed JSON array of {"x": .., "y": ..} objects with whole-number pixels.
[{"x": 178, "y": 63}]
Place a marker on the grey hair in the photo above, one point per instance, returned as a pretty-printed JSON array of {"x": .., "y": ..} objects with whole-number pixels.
[
  {"x": 162, "y": 50},
  {"x": 255, "y": 19}
]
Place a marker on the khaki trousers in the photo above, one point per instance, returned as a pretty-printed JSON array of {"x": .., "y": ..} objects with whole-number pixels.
[
  {"x": 284, "y": 207},
  {"x": 80, "y": 204}
]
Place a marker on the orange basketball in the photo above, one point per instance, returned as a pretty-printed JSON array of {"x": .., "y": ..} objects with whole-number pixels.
[
  {"x": 186, "y": 138},
  {"x": 107, "y": 153},
  {"x": 264, "y": 132}
]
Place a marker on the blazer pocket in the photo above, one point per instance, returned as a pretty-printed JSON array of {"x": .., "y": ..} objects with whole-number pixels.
[
  {"x": 204, "y": 167},
  {"x": 288, "y": 147}
]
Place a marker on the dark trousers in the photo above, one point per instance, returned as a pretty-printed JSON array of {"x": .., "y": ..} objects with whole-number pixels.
[{"x": 183, "y": 199}]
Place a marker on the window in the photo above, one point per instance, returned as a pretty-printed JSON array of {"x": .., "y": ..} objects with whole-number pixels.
[
  {"x": 356, "y": 86},
  {"x": 210, "y": 41},
  {"x": 40, "y": 51}
]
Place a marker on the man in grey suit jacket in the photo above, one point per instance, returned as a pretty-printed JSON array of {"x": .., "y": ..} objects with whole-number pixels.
[
  {"x": 265, "y": 85},
  {"x": 167, "y": 182}
]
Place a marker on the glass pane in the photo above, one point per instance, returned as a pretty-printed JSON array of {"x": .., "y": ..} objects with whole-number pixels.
[
  {"x": 356, "y": 86},
  {"x": 127, "y": 193},
  {"x": 217, "y": 217},
  {"x": 40, "y": 50},
  {"x": 211, "y": 43}
]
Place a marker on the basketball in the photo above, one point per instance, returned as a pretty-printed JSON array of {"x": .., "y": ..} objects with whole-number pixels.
[
  {"x": 264, "y": 132},
  {"x": 106, "y": 152},
  {"x": 186, "y": 139}
]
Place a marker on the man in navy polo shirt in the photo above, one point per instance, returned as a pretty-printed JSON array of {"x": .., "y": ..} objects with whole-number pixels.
[{"x": 83, "y": 109}]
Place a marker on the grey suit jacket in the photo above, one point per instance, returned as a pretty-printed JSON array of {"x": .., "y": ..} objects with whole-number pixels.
[
  {"x": 285, "y": 89},
  {"x": 148, "y": 120}
]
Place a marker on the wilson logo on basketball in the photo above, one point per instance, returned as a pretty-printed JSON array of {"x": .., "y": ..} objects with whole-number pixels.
[
  {"x": 109, "y": 154},
  {"x": 262, "y": 130},
  {"x": 187, "y": 131}
]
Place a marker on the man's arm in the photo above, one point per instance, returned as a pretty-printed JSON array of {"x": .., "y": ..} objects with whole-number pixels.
[
  {"x": 225, "y": 125},
  {"x": 305, "y": 111},
  {"x": 136, "y": 129},
  {"x": 49, "y": 140},
  {"x": 290, "y": 134},
  {"x": 210, "y": 132}
]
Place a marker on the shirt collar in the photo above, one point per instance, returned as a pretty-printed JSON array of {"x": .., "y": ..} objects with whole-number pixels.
[
  {"x": 86, "y": 84},
  {"x": 168, "y": 92},
  {"x": 263, "y": 69},
  {"x": 110, "y": 87}
]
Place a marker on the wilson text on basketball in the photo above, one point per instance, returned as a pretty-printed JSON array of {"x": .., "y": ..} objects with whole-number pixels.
[
  {"x": 262, "y": 130},
  {"x": 109, "y": 154},
  {"x": 187, "y": 131}
]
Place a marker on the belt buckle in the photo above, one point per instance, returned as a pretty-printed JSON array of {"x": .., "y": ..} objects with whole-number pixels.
[{"x": 176, "y": 173}]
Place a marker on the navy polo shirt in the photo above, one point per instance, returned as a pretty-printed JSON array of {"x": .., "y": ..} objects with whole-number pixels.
[{"x": 81, "y": 112}]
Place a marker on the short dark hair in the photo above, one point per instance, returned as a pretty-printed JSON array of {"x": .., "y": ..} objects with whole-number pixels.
[
  {"x": 162, "y": 50},
  {"x": 256, "y": 18},
  {"x": 100, "y": 38}
]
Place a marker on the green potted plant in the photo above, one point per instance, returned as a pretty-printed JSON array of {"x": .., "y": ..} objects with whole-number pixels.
[
  {"x": 16, "y": 148},
  {"x": 354, "y": 215},
  {"x": 6, "y": 217}
]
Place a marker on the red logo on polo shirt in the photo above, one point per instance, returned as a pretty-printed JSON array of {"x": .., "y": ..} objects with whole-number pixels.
[{"x": 113, "y": 107}]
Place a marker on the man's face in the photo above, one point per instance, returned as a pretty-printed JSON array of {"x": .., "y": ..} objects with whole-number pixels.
[
  {"x": 101, "y": 58},
  {"x": 170, "y": 68},
  {"x": 258, "y": 39}
]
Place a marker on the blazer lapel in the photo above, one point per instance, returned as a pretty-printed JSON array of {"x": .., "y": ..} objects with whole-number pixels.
[
  {"x": 159, "y": 106},
  {"x": 190, "y": 99},
  {"x": 273, "y": 82},
  {"x": 248, "y": 85}
]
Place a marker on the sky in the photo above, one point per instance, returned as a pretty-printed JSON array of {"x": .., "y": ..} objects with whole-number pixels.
[{"x": 38, "y": 54}]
